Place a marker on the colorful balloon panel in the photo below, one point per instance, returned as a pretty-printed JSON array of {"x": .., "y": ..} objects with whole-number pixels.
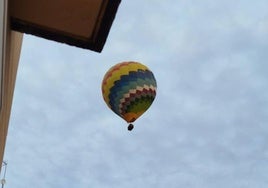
[{"x": 129, "y": 88}]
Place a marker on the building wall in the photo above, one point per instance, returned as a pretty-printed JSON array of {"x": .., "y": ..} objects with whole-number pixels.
[{"x": 13, "y": 48}]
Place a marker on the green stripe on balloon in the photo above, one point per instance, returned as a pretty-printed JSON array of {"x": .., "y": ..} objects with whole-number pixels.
[{"x": 139, "y": 105}]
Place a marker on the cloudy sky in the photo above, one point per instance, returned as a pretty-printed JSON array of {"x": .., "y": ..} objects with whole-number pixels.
[{"x": 206, "y": 128}]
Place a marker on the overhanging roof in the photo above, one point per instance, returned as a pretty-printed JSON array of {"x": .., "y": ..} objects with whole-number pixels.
[{"x": 81, "y": 23}]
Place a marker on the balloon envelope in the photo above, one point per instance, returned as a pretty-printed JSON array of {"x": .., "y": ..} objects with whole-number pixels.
[{"x": 129, "y": 88}]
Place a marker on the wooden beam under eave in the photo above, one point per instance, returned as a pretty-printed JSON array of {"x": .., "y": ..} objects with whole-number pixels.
[
  {"x": 13, "y": 48},
  {"x": 81, "y": 23}
]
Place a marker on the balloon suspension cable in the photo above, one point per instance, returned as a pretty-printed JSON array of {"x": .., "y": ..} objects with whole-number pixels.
[
  {"x": 3, "y": 180},
  {"x": 130, "y": 127}
]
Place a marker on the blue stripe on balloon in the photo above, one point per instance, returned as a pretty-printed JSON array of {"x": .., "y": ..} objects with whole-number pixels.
[{"x": 127, "y": 82}]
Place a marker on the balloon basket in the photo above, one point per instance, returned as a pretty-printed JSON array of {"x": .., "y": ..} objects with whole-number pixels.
[{"x": 130, "y": 127}]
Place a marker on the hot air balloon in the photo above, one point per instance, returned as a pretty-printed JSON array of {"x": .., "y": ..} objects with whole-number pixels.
[{"x": 129, "y": 88}]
